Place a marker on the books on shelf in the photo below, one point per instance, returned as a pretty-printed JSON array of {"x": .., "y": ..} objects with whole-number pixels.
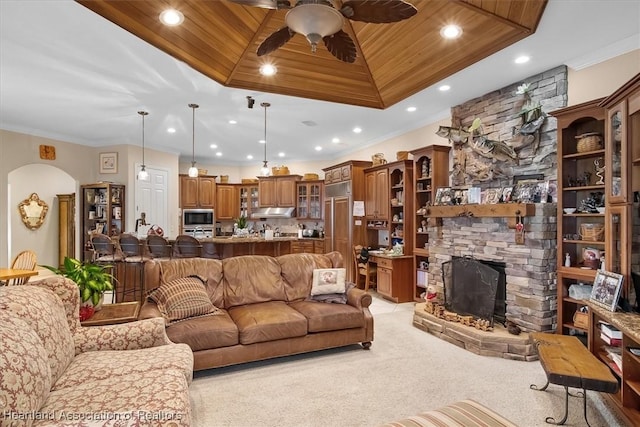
[
  {"x": 615, "y": 342},
  {"x": 422, "y": 278},
  {"x": 610, "y": 331}
]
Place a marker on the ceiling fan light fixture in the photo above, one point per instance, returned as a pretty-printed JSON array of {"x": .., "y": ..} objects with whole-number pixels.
[{"x": 314, "y": 21}]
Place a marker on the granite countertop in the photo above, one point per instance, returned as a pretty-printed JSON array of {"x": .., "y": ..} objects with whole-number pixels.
[
  {"x": 628, "y": 323},
  {"x": 232, "y": 240}
]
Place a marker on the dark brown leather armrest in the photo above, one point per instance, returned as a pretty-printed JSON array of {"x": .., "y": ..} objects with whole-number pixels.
[{"x": 149, "y": 310}]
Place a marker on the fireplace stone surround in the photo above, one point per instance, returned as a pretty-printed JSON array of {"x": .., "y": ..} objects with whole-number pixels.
[{"x": 530, "y": 275}]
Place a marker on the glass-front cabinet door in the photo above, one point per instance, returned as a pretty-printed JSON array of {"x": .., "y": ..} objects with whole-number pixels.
[{"x": 617, "y": 169}]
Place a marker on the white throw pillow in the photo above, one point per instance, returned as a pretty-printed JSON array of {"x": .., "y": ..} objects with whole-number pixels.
[{"x": 328, "y": 281}]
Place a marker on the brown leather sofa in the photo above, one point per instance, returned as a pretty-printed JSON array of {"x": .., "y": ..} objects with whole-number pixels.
[{"x": 266, "y": 308}]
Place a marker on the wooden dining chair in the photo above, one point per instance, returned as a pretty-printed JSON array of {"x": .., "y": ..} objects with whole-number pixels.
[
  {"x": 187, "y": 246},
  {"x": 363, "y": 270},
  {"x": 158, "y": 247},
  {"x": 25, "y": 260},
  {"x": 134, "y": 257}
]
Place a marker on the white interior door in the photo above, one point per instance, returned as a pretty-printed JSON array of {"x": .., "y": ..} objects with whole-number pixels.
[{"x": 151, "y": 197}]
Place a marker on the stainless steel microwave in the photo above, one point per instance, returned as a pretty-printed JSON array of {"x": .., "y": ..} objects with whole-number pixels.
[{"x": 192, "y": 218}]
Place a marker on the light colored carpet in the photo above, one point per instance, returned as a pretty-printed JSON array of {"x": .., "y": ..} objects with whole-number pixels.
[{"x": 405, "y": 372}]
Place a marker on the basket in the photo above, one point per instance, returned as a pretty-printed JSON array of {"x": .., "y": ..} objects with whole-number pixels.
[
  {"x": 589, "y": 142},
  {"x": 378, "y": 159},
  {"x": 224, "y": 179},
  {"x": 402, "y": 155},
  {"x": 592, "y": 232},
  {"x": 202, "y": 172},
  {"x": 310, "y": 177},
  {"x": 280, "y": 170},
  {"x": 581, "y": 320},
  {"x": 249, "y": 180}
]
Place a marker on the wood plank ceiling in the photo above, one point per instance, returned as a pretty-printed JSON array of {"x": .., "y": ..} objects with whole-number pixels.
[{"x": 220, "y": 39}]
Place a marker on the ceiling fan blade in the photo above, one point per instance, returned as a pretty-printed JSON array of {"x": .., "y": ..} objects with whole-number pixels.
[
  {"x": 275, "y": 41},
  {"x": 341, "y": 46},
  {"x": 378, "y": 11},
  {"x": 265, "y": 4}
]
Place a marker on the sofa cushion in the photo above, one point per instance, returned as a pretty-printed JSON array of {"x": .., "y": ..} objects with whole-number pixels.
[
  {"x": 182, "y": 298},
  {"x": 252, "y": 279},
  {"x": 329, "y": 317},
  {"x": 43, "y": 311},
  {"x": 202, "y": 333},
  {"x": 328, "y": 281},
  {"x": 99, "y": 365},
  {"x": 268, "y": 321},
  {"x": 297, "y": 272},
  {"x": 209, "y": 269},
  {"x": 25, "y": 376},
  {"x": 158, "y": 397}
]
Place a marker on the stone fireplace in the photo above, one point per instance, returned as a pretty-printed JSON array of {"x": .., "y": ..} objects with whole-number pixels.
[{"x": 529, "y": 274}]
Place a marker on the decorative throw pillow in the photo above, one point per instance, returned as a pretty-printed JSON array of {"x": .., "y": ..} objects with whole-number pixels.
[
  {"x": 328, "y": 281},
  {"x": 182, "y": 298}
]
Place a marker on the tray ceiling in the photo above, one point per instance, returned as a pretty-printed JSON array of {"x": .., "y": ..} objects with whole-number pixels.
[{"x": 220, "y": 39}]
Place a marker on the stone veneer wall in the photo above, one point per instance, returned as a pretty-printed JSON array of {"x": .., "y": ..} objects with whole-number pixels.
[
  {"x": 530, "y": 268},
  {"x": 499, "y": 112}
]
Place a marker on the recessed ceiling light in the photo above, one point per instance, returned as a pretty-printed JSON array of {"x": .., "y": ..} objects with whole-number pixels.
[
  {"x": 232, "y": 122},
  {"x": 522, "y": 59},
  {"x": 262, "y": 141},
  {"x": 268, "y": 70},
  {"x": 335, "y": 140},
  {"x": 281, "y": 154},
  {"x": 318, "y": 148},
  {"x": 213, "y": 146},
  {"x": 451, "y": 32},
  {"x": 357, "y": 130},
  {"x": 171, "y": 17},
  {"x": 411, "y": 109},
  {"x": 218, "y": 154},
  {"x": 249, "y": 157},
  {"x": 444, "y": 88},
  {"x": 171, "y": 130}
]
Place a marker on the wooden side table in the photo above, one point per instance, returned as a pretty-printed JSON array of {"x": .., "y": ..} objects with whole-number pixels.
[{"x": 112, "y": 314}]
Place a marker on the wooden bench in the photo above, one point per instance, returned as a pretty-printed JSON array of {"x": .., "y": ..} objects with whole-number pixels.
[{"x": 567, "y": 362}]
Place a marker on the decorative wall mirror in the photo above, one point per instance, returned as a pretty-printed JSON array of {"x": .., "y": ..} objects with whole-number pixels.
[{"x": 33, "y": 210}]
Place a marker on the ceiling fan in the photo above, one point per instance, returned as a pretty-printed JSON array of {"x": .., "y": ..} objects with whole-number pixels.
[{"x": 321, "y": 20}]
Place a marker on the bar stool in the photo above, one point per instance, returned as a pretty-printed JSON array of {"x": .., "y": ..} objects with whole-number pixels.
[
  {"x": 187, "y": 246},
  {"x": 107, "y": 254},
  {"x": 133, "y": 256},
  {"x": 158, "y": 247}
]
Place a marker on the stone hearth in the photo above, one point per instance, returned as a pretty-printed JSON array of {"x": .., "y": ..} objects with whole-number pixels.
[{"x": 496, "y": 343}]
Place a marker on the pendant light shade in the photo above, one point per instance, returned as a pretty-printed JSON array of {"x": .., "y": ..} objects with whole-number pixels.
[
  {"x": 265, "y": 167},
  {"x": 143, "y": 174},
  {"x": 193, "y": 171}
]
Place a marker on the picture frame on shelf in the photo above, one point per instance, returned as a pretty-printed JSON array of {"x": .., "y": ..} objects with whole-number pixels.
[
  {"x": 552, "y": 191},
  {"x": 491, "y": 196},
  {"x": 506, "y": 194},
  {"x": 443, "y": 196},
  {"x": 527, "y": 191},
  {"x": 606, "y": 289},
  {"x": 108, "y": 162}
]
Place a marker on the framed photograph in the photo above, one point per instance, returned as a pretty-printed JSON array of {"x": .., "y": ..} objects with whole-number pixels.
[
  {"x": 553, "y": 191},
  {"x": 443, "y": 196},
  {"x": 108, "y": 162},
  {"x": 506, "y": 194},
  {"x": 491, "y": 196},
  {"x": 526, "y": 192},
  {"x": 606, "y": 289}
]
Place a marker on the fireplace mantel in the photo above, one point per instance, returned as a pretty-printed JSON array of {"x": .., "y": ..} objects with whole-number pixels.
[{"x": 510, "y": 211}]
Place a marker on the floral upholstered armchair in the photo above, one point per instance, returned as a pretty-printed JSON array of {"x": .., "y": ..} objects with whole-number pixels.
[{"x": 53, "y": 371}]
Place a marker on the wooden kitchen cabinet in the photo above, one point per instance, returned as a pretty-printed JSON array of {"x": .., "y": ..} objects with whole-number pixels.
[
  {"x": 249, "y": 199},
  {"x": 309, "y": 200},
  {"x": 66, "y": 227},
  {"x": 227, "y": 207},
  {"x": 376, "y": 203},
  {"x": 311, "y": 246},
  {"x": 278, "y": 191},
  {"x": 394, "y": 279},
  {"x": 198, "y": 192}
]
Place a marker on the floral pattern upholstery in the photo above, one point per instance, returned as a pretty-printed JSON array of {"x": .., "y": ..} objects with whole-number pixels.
[
  {"x": 25, "y": 376},
  {"x": 48, "y": 364}
]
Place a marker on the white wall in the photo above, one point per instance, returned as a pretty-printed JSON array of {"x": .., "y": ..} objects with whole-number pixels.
[{"x": 22, "y": 182}]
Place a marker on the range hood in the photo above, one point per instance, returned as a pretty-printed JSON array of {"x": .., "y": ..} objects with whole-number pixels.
[{"x": 273, "y": 213}]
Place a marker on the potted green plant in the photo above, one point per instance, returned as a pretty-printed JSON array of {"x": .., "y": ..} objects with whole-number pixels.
[
  {"x": 240, "y": 226},
  {"x": 92, "y": 279}
]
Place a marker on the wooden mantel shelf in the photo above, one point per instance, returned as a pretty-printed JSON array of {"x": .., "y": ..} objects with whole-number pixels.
[{"x": 501, "y": 210}]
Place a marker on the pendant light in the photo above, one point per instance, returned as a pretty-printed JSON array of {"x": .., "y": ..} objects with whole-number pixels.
[
  {"x": 193, "y": 171},
  {"x": 265, "y": 167},
  {"x": 143, "y": 174}
]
